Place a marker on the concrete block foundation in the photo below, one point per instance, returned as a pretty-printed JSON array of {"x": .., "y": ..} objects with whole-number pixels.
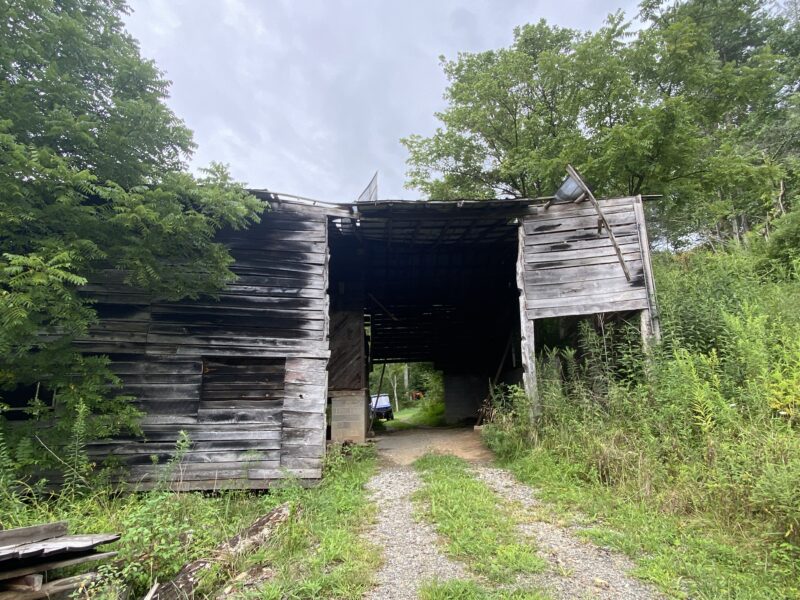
[{"x": 349, "y": 416}]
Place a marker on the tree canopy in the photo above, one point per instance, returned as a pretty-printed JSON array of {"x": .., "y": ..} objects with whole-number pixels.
[
  {"x": 92, "y": 178},
  {"x": 700, "y": 104}
]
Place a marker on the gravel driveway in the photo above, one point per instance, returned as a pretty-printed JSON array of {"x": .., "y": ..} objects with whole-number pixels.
[{"x": 411, "y": 548}]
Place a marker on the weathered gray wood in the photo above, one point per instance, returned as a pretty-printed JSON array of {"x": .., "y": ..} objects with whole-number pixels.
[
  {"x": 585, "y": 210},
  {"x": 631, "y": 248},
  {"x": 60, "y": 588},
  {"x": 35, "y": 533},
  {"x": 579, "y": 273},
  {"x": 264, "y": 470},
  {"x": 48, "y": 565},
  {"x": 303, "y": 420},
  {"x": 57, "y": 545},
  {"x": 208, "y": 459},
  {"x": 118, "y": 448},
  {"x": 31, "y": 582},
  {"x": 533, "y": 246},
  {"x": 653, "y": 328},
  {"x": 583, "y": 300},
  {"x": 527, "y": 348},
  {"x": 596, "y": 287},
  {"x": 569, "y": 224},
  {"x": 300, "y": 462},
  {"x": 589, "y": 308}
]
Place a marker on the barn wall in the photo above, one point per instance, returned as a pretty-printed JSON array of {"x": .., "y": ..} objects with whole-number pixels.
[
  {"x": 572, "y": 269},
  {"x": 245, "y": 374}
]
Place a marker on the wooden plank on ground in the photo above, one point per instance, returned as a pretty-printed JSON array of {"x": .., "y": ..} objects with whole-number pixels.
[
  {"x": 60, "y": 588},
  {"x": 56, "y": 545},
  {"x": 47, "y": 565},
  {"x": 35, "y": 533}
]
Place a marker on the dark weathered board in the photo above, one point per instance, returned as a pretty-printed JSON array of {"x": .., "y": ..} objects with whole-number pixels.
[
  {"x": 571, "y": 267},
  {"x": 348, "y": 366},
  {"x": 243, "y": 374}
]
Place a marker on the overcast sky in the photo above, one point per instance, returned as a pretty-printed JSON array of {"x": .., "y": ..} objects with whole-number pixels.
[{"x": 311, "y": 97}]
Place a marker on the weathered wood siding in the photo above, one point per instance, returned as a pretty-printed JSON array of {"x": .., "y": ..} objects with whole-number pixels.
[
  {"x": 348, "y": 363},
  {"x": 566, "y": 266},
  {"x": 571, "y": 268},
  {"x": 244, "y": 375}
]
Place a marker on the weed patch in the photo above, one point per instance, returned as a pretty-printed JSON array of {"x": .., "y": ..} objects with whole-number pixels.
[
  {"x": 686, "y": 557},
  {"x": 467, "y": 590},
  {"x": 318, "y": 553},
  {"x": 321, "y": 552}
]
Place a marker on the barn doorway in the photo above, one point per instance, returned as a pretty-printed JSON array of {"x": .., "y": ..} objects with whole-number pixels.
[{"x": 431, "y": 282}]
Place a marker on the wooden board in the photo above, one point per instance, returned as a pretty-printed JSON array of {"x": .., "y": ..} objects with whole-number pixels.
[
  {"x": 43, "y": 566},
  {"x": 35, "y": 533}
]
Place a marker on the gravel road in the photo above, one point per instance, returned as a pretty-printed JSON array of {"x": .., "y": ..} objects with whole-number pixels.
[
  {"x": 579, "y": 569},
  {"x": 411, "y": 548}
]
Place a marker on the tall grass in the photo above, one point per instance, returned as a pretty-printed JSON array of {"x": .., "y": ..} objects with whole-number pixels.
[
  {"x": 704, "y": 429},
  {"x": 319, "y": 551}
]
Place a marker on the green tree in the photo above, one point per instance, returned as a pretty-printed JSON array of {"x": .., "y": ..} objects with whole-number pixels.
[
  {"x": 92, "y": 179},
  {"x": 693, "y": 106}
]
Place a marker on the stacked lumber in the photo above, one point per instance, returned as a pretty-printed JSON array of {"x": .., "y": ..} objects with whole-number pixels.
[{"x": 28, "y": 554}]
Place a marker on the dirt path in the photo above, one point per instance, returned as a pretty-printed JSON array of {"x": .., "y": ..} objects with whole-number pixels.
[
  {"x": 404, "y": 447},
  {"x": 578, "y": 569}
]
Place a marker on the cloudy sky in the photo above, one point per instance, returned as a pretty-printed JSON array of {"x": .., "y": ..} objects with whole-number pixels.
[{"x": 311, "y": 97}]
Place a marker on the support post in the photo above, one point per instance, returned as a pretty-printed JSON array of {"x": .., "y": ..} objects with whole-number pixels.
[
  {"x": 528, "y": 355},
  {"x": 652, "y": 329}
]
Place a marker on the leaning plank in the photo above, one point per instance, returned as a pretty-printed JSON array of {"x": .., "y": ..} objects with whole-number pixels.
[
  {"x": 59, "y": 588},
  {"x": 187, "y": 579},
  {"x": 41, "y": 567},
  {"x": 28, "y": 535}
]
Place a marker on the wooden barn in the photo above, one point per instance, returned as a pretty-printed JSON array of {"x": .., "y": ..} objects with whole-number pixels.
[{"x": 261, "y": 376}]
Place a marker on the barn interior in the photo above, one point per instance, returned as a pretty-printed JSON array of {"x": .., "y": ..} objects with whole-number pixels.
[{"x": 427, "y": 282}]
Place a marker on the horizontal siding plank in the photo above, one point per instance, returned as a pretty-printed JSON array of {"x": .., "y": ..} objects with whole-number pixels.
[
  {"x": 301, "y": 462},
  {"x": 123, "y": 447},
  {"x": 533, "y": 226},
  {"x": 580, "y": 210},
  {"x": 580, "y": 273},
  {"x": 576, "y": 256},
  {"x": 214, "y": 474},
  {"x": 312, "y": 449},
  {"x": 588, "y": 309},
  {"x": 295, "y": 419},
  {"x": 301, "y": 436},
  {"x": 572, "y": 300},
  {"x": 267, "y": 416},
  {"x": 583, "y": 288},
  {"x": 217, "y": 432},
  {"x": 533, "y": 246},
  {"x": 578, "y": 235}
]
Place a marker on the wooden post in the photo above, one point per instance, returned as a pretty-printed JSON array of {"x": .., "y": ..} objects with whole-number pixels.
[
  {"x": 528, "y": 349},
  {"x": 651, "y": 324}
]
